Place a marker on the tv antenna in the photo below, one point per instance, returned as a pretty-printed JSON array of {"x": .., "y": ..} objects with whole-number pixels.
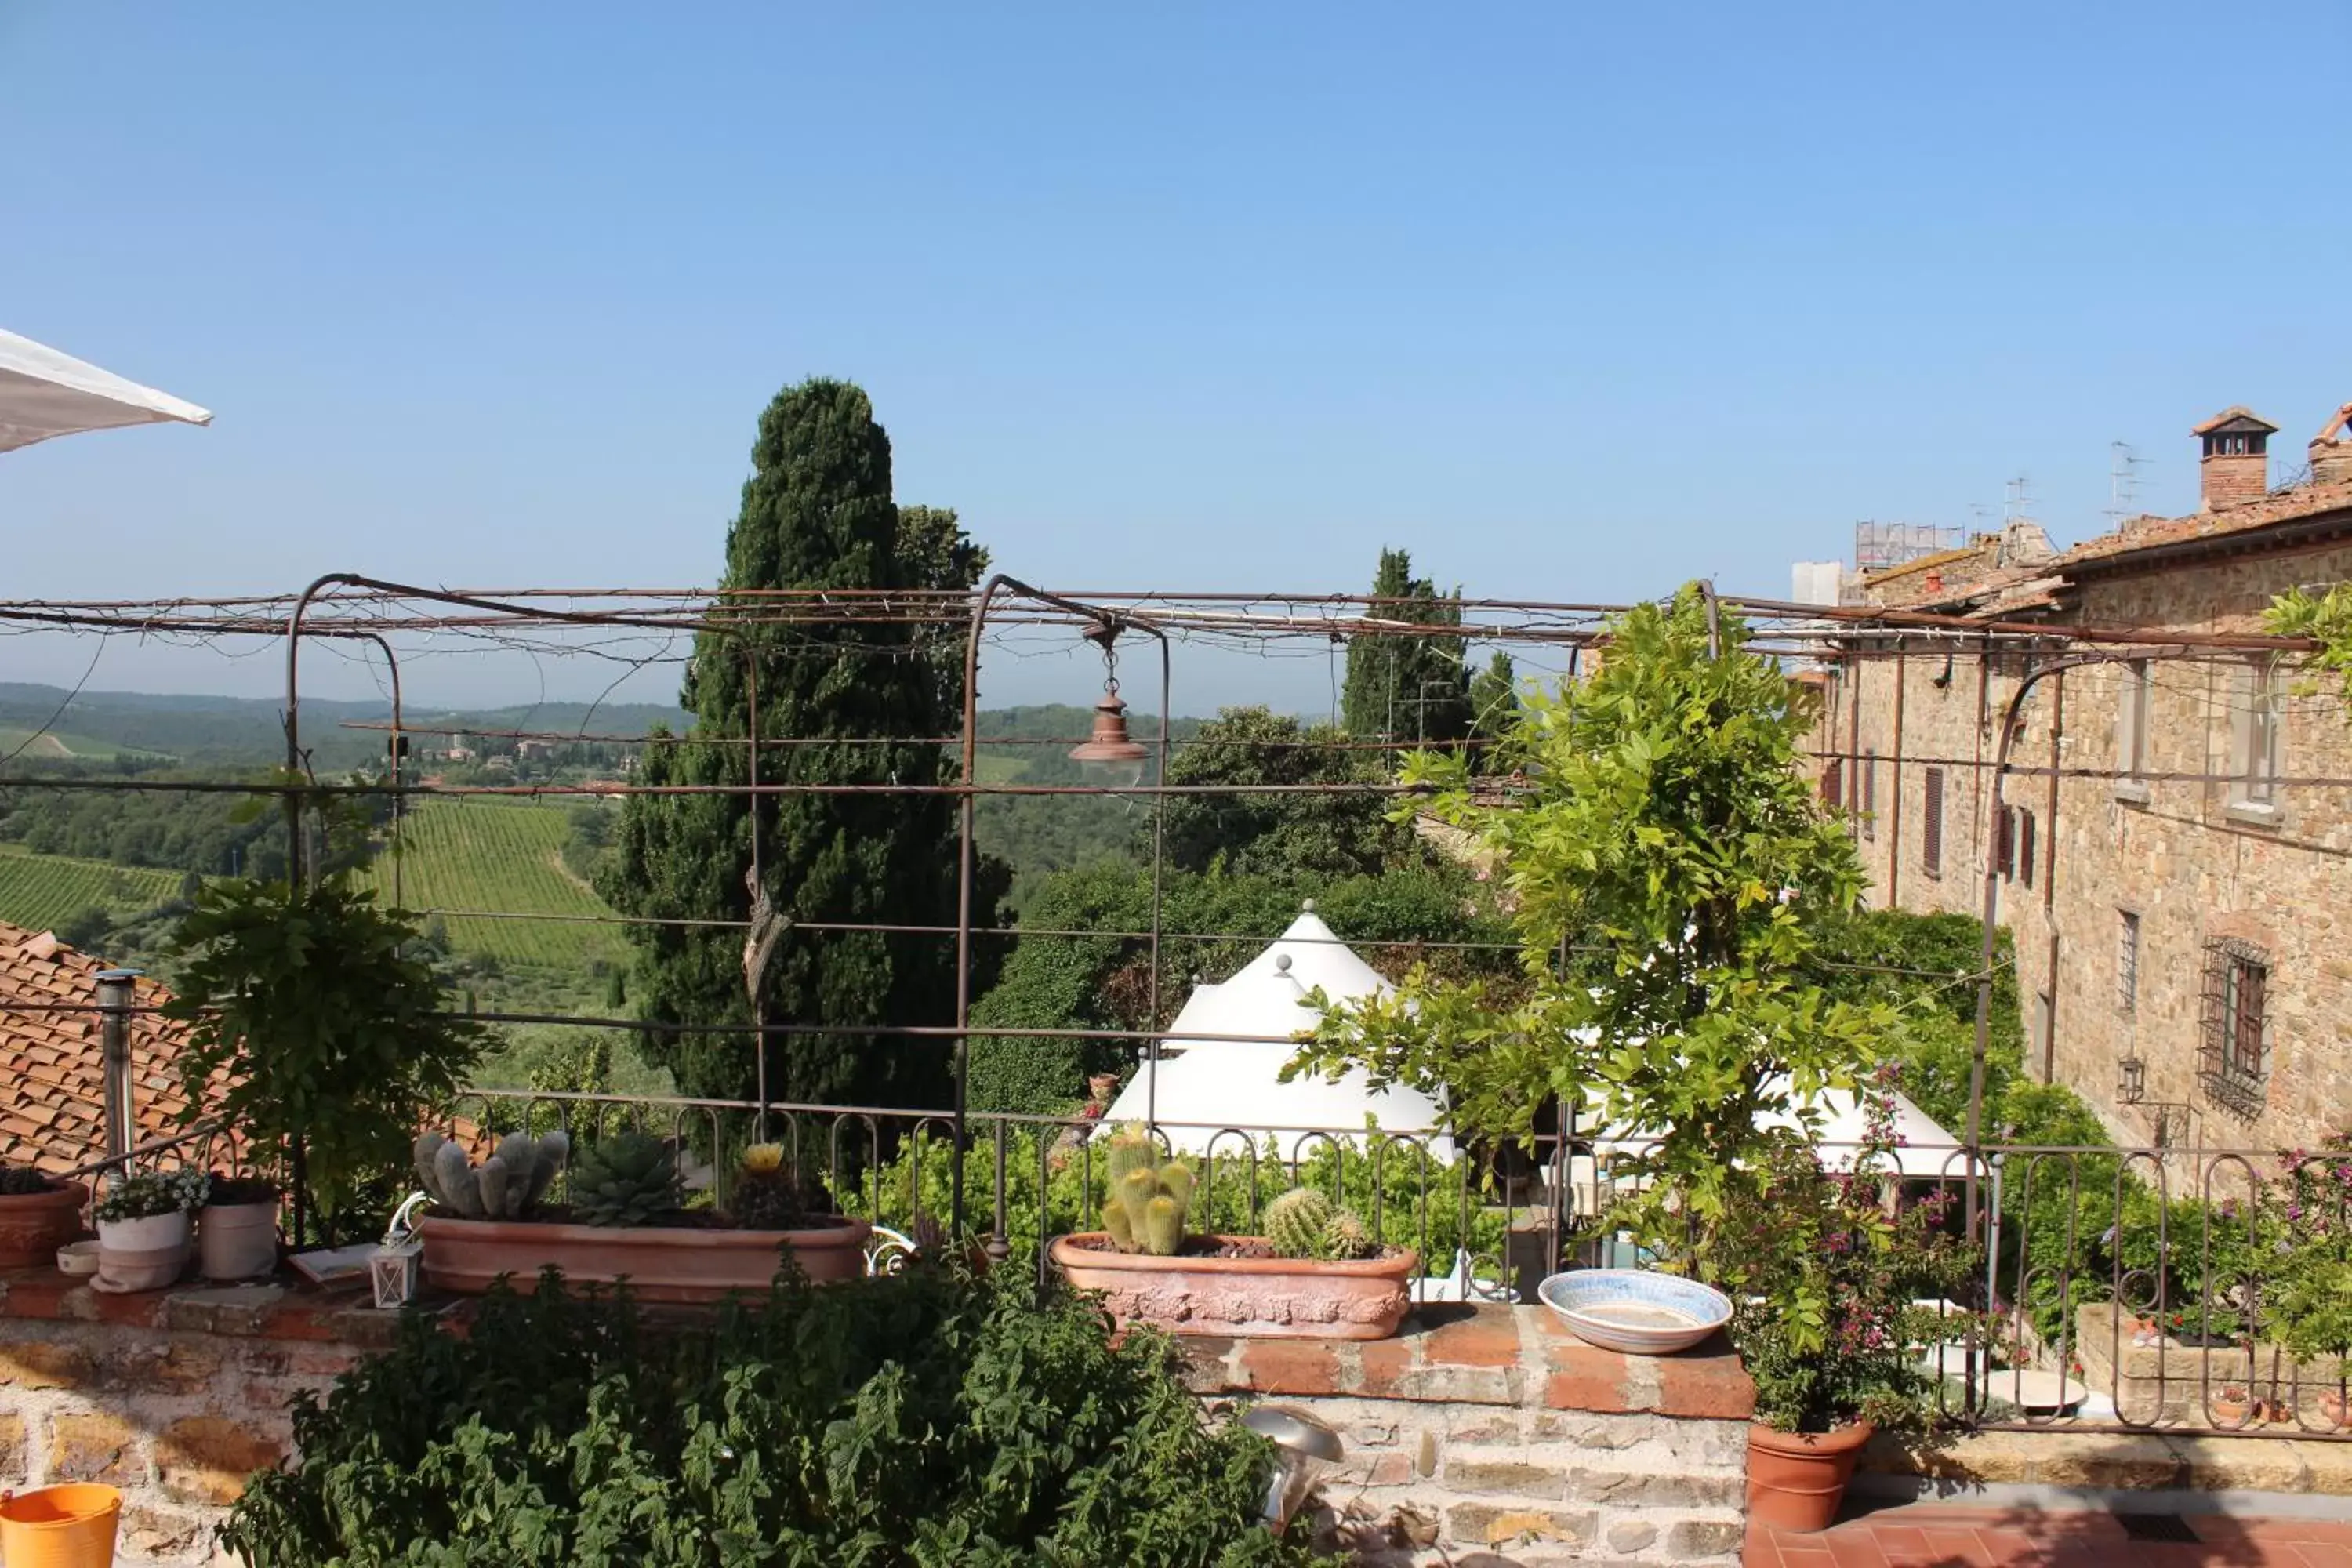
[{"x": 2124, "y": 464}]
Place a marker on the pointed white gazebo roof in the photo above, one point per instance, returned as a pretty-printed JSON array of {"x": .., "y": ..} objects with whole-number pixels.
[
  {"x": 1206, "y": 1085},
  {"x": 44, "y": 393}
]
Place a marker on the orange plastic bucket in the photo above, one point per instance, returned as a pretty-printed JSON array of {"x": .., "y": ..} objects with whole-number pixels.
[{"x": 61, "y": 1527}]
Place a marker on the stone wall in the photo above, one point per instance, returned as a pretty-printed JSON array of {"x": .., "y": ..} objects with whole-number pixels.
[
  {"x": 1488, "y": 1436},
  {"x": 174, "y": 1397},
  {"x": 1479, "y": 1436},
  {"x": 2181, "y": 854}
]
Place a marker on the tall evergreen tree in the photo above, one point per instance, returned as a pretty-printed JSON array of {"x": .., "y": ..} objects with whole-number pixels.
[
  {"x": 1493, "y": 706},
  {"x": 1399, "y": 684},
  {"x": 816, "y": 513}
]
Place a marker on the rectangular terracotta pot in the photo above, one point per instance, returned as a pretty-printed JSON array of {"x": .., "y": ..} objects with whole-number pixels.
[
  {"x": 661, "y": 1263},
  {"x": 1244, "y": 1297}
]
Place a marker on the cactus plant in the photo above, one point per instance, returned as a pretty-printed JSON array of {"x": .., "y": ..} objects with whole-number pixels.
[
  {"x": 1303, "y": 1223},
  {"x": 507, "y": 1185},
  {"x": 629, "y": 1178},
  {"x": 767, "y": 1195},
  {"x": 1145, "y": 1211}
]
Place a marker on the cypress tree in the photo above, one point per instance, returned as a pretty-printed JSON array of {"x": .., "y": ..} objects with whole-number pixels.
[
  {"x": 1400, "y": 686},
  {"x": 816, "y": 513}
]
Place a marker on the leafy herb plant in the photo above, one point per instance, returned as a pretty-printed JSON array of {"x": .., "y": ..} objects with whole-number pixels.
[{"x": 917, "y": 1421}]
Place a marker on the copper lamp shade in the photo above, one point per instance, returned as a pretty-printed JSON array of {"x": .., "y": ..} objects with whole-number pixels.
[{"x": 1110, "y": 742}]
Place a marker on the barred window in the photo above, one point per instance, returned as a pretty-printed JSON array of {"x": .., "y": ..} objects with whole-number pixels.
[
  {"x": 1832, "y": 783},
  {"x": 2025, "y": 846},
  {"x": 1931, "y": 822},
  {"x": 2235, "y": 1056},
  {"x": 2004, "y": 841}
]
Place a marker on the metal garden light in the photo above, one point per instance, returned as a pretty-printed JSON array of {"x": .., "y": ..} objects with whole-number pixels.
[
  {"x": 1109, "y": 753},
  {"x": 1303, "y": 1449}
]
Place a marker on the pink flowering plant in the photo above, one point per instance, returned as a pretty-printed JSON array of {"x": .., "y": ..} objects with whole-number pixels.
[
  {"x": 1826, "y": 1264},
  {"x": 2308, "y": 1298}
]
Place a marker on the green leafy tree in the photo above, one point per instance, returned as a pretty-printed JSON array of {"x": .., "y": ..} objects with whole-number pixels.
[
  {"x": 1669, "y": 847},
  {"x": 1344, "y": 832},
  {"x": 1401, "y": 685},
  {"x": 315, "y": 1028},
  {"x": 816, "y": 513},
  {"x": 1494, "y": 708}
]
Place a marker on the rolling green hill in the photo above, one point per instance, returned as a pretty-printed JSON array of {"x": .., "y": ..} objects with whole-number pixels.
[
  {"x": 484, "y": 853},
  {"x": 41, "y": 893}
]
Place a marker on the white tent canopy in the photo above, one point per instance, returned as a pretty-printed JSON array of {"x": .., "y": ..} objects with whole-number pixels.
[
  {"x": 1923, "y": 1148},
  {"x": 44, "y": 393},
  {"x": 1207, "y": 1085}
]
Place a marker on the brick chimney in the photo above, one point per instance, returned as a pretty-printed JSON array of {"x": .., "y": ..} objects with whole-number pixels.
[
  {"x": 2331, "y": 449},
  {"x": 2236, "y": 466}
]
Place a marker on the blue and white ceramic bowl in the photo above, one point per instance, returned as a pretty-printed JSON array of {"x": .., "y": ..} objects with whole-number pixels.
[{"x": 1635, "y": 1310}]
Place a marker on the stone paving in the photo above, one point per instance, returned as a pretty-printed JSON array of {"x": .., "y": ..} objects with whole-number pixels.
[{"x": 1939, "y": 1535}]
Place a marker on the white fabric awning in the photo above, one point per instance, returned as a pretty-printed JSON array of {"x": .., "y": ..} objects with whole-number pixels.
[
  {"x": 1923, "y": 1150},
  {"x": 44, "y": 393},
  {"x": 1205, "y": 1086}
]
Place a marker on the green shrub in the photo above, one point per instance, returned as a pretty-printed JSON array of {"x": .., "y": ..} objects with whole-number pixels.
[{"x": 923, "y": 1420}]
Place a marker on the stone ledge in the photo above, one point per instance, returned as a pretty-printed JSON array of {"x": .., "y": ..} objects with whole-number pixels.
[
  {"x": 1495, "y": 1355},
  {"x": 267, "y": 1312},
  {"x": 2128, "y": 1461}
]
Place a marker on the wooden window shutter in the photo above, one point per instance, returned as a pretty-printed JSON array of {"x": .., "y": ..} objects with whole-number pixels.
[{"x": 1931, "y": 834}]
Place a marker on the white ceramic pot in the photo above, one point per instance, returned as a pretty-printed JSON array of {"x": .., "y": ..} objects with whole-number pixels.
[
  {"x": 145, "y": 1253},
  {"x": 237, "y": 1241}
]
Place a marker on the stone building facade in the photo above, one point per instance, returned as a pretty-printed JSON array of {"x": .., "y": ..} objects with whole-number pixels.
[{"x": 2168, "y": 851}]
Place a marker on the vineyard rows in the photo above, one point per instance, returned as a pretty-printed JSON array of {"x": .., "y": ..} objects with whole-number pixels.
[
  {"x": 40, "y": 892},
  {"x": 502, "y": 855}
]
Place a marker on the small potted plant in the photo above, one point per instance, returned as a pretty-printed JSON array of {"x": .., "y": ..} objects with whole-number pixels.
[
  {"x": 1827, "y": 1272},
  {"x": 1315, "y": 1274},
  {"x": 37, "y": 1215},
  {"x": 623, "y": 1219},
  {"x": 2232, "y": 1405},
  {"x": 143, "y": 1228},
  {"x": 237, "y": 1229}
]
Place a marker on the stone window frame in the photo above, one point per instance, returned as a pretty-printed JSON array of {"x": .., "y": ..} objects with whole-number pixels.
[
  {"x": 2257, "y": 737},
  {"x": 2234, "y": 1046},
  {"x": 2132, "y": 711}
]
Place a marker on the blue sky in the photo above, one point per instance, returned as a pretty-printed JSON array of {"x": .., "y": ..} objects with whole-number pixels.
[{"x": 1574, "y": 301}]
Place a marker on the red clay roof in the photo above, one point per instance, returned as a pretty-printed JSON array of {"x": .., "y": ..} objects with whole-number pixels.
[
  {"x": 2235, "y": 411},
  {"x": 2280, "y": 506},
  {"x": 52, "y": 1076}
]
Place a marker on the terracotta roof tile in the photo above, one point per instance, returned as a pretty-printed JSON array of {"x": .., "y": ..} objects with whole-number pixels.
[
  {"x": 2280, "y": 506},
  {"x": 52, "y": 1076}
]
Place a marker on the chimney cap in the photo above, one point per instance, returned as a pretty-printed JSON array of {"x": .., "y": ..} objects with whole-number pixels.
[{"x": 2235, "y": 420}]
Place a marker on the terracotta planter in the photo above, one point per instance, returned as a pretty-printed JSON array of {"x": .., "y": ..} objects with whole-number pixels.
[
  {"x": 2332, "y": 1408},
  {"x": 237, "y": 1241},
  {"x": 1796, "y": 1479},
  {"x": 144, "y": 1254},
  {"x": 1243, "y": 1297},
  {"x": 33, "y": 1226},
  {"x": 661, "y": 1263},
  {"x": 2232, "y": 1409}
]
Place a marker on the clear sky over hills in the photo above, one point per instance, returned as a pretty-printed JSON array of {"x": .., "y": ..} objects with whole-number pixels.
[{"x": 1573, "y": 301}]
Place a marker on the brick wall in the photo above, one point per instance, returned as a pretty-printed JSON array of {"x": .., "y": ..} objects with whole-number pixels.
[
  {"x": 1479, "y": 1435},
  {"x": 1488, "y": 1435}
]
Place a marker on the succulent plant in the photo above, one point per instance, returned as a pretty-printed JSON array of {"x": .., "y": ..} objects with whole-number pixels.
[
  {"x": 767, "y": 1195},
  {"x": 22, "y": 1181},
  {"x": 1303, "y": 1223},
  {"x": 507, "y": 1185},
  {"x": 1145, "y": 1211},
  {"x": 629, "y": 1178}
]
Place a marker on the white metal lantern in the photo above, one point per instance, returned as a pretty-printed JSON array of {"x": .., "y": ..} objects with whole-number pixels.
[{"x": 394, "y": 1268}]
